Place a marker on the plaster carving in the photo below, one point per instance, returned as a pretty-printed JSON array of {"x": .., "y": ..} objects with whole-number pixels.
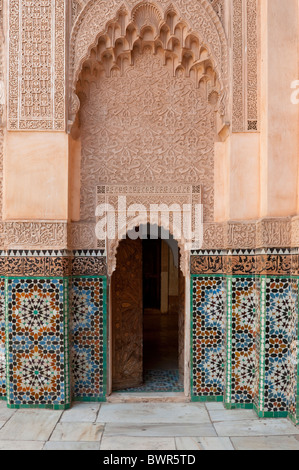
[
  {"x": 245, "y": 75},
  {"x": 240, "y": 235},
  {"x": 36, "y": 85},
  {"x": 175, "y": 196},
  {"x": 295, "y": 232},
  {"x": 199, "y": 16},
  {"x": 35, "y": 235},
  {"x": 82, "y": 236},
  {"x": 273, "y": 233},
  {"x": 112, "y": 246},
  {"x": 146, "y": 124}
]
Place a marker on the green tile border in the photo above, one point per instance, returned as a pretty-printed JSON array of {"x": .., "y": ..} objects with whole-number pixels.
[
  {"x": 239, "y": 406},
  {"x": 42, "y": 407},
  {"x": 203, "y": 399}
]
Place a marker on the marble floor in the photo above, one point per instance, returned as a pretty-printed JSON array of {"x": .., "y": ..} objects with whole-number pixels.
[{"x": 143, "y": 426}]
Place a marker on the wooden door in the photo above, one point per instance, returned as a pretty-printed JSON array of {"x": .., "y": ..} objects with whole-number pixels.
[{"x": 127, "y": 317}]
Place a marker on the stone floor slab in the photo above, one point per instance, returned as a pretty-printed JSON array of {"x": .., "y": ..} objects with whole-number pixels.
[
  {"x": 232, "y": 415},
  {"x": 191, "y": 413},
  {"x": 266, "y": 443},
  {"x": 137, "y": 443},
  {"x": 52, "y": 445},
  {"x": 81, "y": 412},
  {"x": 159, "y": 430},
  {"x": 187, "y": 443},
  {"x": 263, "y": 427},
  {"x": 5, "y": 412},
  {"x": 30, "y": 425},
  {"x": 76, "y": 432},
  {"x": 214, "y": 406},
  {"x": 21, "y": 445},
  {"x": 215, "y": 443}
]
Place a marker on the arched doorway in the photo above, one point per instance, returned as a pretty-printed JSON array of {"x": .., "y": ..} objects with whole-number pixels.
[
  {"x": 148, "y": 98},
  {"x": 147, "y": 316}
]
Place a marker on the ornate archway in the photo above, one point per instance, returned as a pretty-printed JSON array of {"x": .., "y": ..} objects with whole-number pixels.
[
  {"x": 195, "y": 17},
  {"x": 148, "y": 84}
]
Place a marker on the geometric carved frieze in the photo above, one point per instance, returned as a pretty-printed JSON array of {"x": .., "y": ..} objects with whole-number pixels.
[{"x": 36, "y": 50}]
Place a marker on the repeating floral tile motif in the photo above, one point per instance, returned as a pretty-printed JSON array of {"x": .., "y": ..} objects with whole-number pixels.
[
  {"x": 278, "y": 338},
  {"x": 2, "y": 341},
  {"x": 208, "y": 337},
  {"x": 243, "y": 335},
  {"x": 88, "y": 299},
  {"x": 37, "y": 355}
]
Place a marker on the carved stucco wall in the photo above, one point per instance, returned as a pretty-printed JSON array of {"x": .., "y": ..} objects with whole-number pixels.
[
  {"x": 37, "y": 33},
  {"x": 36, "y": 77},
  {"x": 245, "y": 38},
  {"x": 199, "y": 15},
  {"x": 146, "y": 126}
]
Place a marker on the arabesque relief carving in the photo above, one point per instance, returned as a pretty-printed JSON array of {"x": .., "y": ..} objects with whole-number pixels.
[
  {"x": 36, "y": 65},
  {"x": 148, "y": 106},
  {"x": 115, "y": 21}
]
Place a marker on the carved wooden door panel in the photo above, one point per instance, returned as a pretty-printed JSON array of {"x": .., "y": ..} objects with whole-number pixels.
[{"x": 127, "y": 317}]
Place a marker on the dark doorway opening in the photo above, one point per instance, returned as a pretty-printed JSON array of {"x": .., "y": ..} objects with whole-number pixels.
[{"x": 148, "y": 317}]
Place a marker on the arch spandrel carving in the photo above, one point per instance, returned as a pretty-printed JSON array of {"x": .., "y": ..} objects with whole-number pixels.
[{"x": 96, "y": 17}]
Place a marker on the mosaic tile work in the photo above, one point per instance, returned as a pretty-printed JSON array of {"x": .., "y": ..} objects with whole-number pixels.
[
  {"x": 159, "y": 381},
  {"x": 242, "y": 350},
  {"x": 37, "y": 342},
  {"x": 208, "y": 327},
  {"x": 89, "y": 338},
  {"x": 2, "y": 341},
  {"x": 275, "y": 345},
  {"x": 293, "y": 390},
  {"x": 258, "y": 322}
]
